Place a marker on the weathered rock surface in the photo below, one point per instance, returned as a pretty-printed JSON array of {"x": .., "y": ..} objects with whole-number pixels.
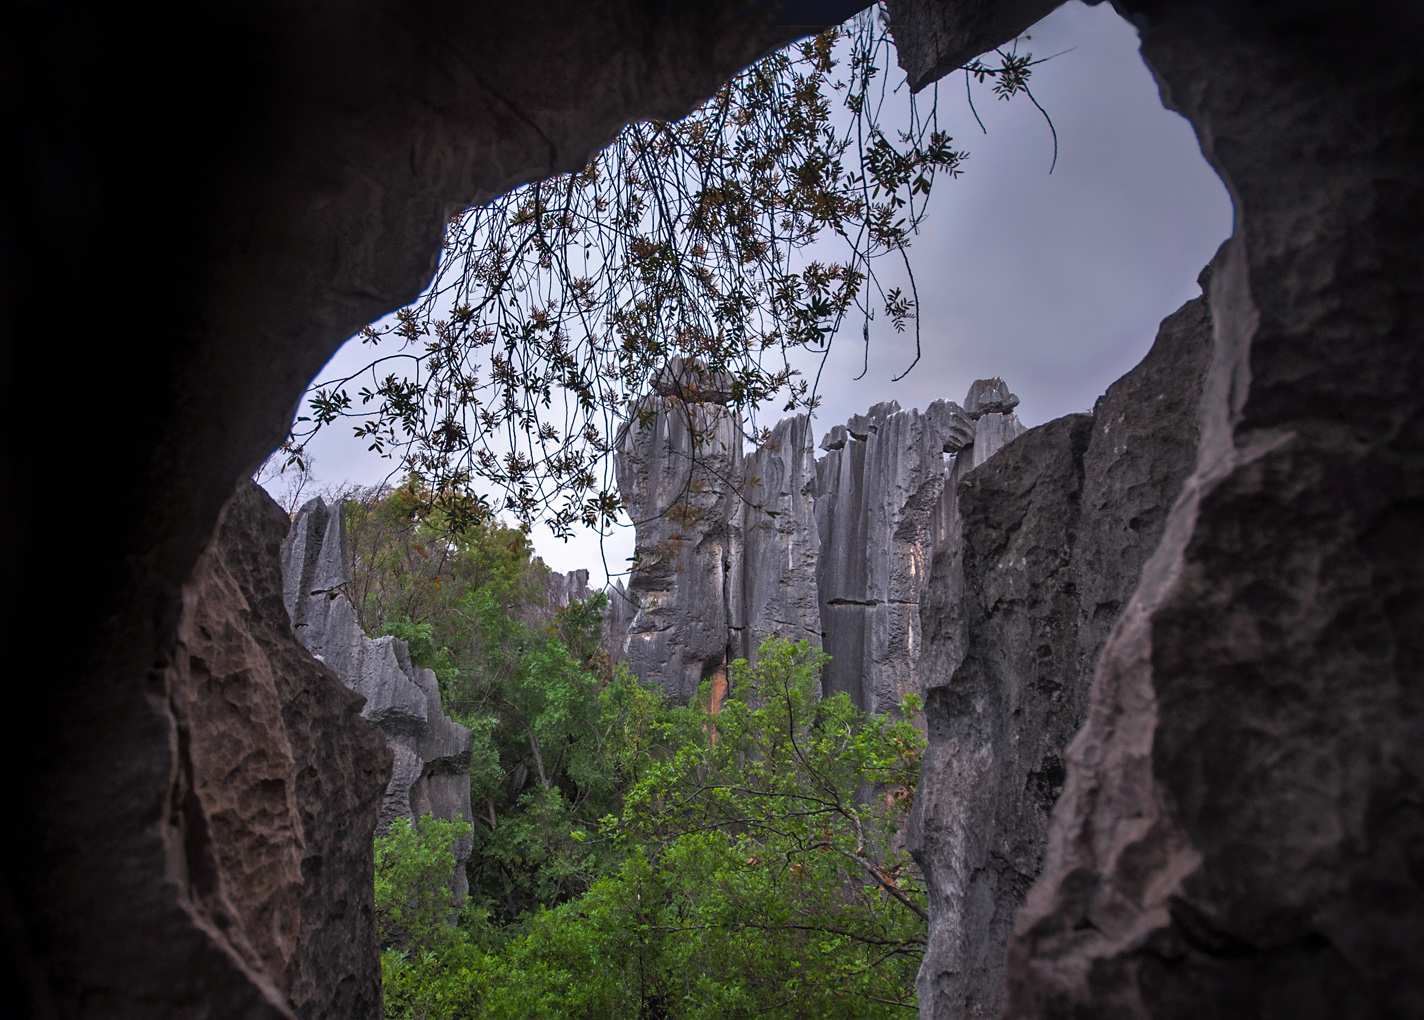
[
  {"x": 1239, "y": 829},
  {"x": 1055, "y": 530},
  {"x": 733, "y": 548},
  {"x": 679, "y": 468},
  {"x": 560, "y": 590},
  {"x": 883, "y": 511},
  {"x": 282, "y": 779},
  {"x": 772, "y": 580},
  {"x": 431, "y": 774},
  {"x": 1242, "y": 832}
]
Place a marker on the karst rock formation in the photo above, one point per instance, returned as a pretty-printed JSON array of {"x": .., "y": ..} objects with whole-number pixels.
[
  {"x": 733, "y": 547},
  {"x": 431, "y": 752},
  {"x": 1239, "y": 826},
  {"x": 280, "y": 782},
  {"x": 950, "y": 554}
]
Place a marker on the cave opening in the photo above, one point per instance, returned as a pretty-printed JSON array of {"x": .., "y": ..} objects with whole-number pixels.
[{"x": 1236, "y": 821}]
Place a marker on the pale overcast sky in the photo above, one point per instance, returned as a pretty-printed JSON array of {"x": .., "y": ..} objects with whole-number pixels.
[{"x": 1055, "y": 282}]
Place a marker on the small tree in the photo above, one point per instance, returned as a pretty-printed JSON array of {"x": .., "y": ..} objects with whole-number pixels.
[
  {"x": 415, "y": 865},
  {"x": 762, "y": 874}
]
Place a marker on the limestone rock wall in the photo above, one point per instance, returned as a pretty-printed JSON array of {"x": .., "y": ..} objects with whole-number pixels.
[
  {"x": 1241, "y": 830},
  {"x": 733, "y": 548},
  {"x": 1056, "y": 529},
  {"x": 885, "y": 507},
  {"x": 562, "y": 589},
  {"x": 772, "y": 575},
  {"x": 321, "y": 150},
  {"x": 679, "y": 466},
  {"x": 431, "y": 751},
  {"x": 283, "y": 779}
]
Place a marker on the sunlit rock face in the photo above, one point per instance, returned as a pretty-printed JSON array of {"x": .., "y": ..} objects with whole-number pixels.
[
  {"x": 431, "y": 751},
  {"x": 1055, "y": 530},
  {"x": 733, "y": 548},
  {"x": 282, "y": 780}
]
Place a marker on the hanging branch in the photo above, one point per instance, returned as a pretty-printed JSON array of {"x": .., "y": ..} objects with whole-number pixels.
[{"x": 552, "y": 305}]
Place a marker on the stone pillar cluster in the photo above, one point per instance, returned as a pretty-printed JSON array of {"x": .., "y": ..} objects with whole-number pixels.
[{"x": 735, "y": 547}]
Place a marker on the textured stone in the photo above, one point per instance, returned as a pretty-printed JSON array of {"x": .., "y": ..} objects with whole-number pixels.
[
  {"x": 882, "y": 512},
  {"x": 617, "y": 619},
  {"x": 934, "y": 38},
  {"x": 1055, "y": 531},
  {"x": 431, "y": 774},
  {"x": 690, "y": 380},
  {"x": 873, "y": 509},
  {"x": 286, "y": 172},
  {"x": 560, "y": 590},
  {"x": 1241, "y": 832},
  {"x": 679, "y": 467},
  {"x": 774, "y": 592},
  {"x": 775, "y": 542},
  {"x": 286, "y": 777}
]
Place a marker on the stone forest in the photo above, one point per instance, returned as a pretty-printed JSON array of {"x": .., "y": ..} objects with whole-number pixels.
[{"x": 922, "y": 713}]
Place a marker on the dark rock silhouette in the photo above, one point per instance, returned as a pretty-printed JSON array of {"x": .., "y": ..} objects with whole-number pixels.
[
  {"x": 268, "y": 179},
  {"x": 1056, "y": 529}
]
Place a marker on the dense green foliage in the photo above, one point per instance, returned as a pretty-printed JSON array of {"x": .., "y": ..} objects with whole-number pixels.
[
  {"x": 632, "y": 858},
  {"x": 757, "y": 873},
  {"x": 413, "y": 868},
  {"x": 551, "y": 721}
]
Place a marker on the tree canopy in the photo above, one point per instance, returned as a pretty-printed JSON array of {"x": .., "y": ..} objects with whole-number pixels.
[{"x": 756, "y": 871}]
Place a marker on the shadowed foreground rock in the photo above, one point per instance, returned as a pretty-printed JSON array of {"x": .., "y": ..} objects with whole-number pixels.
[
  {"x": 1242, "y": 830},
  {"x": 269, "y": 179},
  {"x": 1056, "y": 528},
  {"x": 431, "y": 751},
  {"x": 281, "y": 779}
]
